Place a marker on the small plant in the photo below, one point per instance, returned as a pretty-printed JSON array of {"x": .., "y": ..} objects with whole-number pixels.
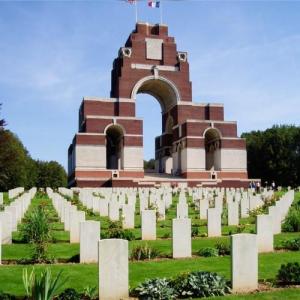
[
  {"x": 69, "y": 294},
  {"x": 90, "y": 292},
  {"x": 37, "y": 231},
  {"x": 223, "y": 249},
  {"x": 167, "y": 235},
  {"x": 293, "y": 244},
  {"x": 289, "y": 274},
  {"x": 41, "y": 286},
  {"x": 5, "y": 296},
  {"x": 155, "y": 289},
  {"x": 208, "y": 252},
  {"x": 195, "y": 231},
  {"x": 143, "y": 252},
  {"x": 292, "y": 220},
  {"x": 240, "y": 228},
  {"x": 200, "y": 284},
  {"x": 115, "y": 231}
]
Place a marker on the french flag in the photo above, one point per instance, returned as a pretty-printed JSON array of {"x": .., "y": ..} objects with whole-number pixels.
[{"x": 153, "y": 3}]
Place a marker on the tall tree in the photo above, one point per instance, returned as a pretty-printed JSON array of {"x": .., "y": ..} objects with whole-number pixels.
[
  {"x": 2, "y": 121},
  {"x": 274, "y": 154}
]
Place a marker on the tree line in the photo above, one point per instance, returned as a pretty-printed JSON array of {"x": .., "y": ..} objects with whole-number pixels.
[
  {"x": 17, "y": 168},
  {"x": 274, "y": 154}
]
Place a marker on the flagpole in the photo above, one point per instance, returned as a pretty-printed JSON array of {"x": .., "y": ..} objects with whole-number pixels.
[
  {"x": 161, "y": 12},
  {"x": 136, "y": 12}
]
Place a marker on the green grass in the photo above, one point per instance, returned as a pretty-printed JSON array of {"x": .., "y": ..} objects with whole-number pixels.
[{"x": 80, "y": 276}]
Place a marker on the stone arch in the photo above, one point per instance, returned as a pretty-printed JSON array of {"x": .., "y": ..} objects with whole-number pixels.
[
  {"x": 161, "y": 88},
  {"x": 114, "y": 135},
  {"x": 212, "y": 138}
]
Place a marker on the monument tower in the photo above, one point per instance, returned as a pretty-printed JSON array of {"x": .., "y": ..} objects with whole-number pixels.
[{"x": 196, "y": 145}]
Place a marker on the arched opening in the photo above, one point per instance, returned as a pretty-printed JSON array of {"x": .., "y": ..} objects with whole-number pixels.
[
  {"x": 212, "y": 150},
  {"x": 114, "y": 147},
  {"x": 167, "y": 95}
]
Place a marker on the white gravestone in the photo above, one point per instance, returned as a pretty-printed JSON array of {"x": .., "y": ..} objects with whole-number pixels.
[
  {"x": 244, "y": 262},
  {"x": 264, "y": 231},
  {"x": 214, "y": 226},
  {"x": 148, "y": 225},
  {"x": 113, "y": 269},
  {"x": 182, "y": 242},
  {"x": 76, "y": 217},
  {"x": 233, "y": 213}
]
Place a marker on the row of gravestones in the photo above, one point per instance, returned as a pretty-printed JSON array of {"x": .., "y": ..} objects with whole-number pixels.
[
  {"x": 13, "y": 214},
  {"x": 266, "y": 225}
]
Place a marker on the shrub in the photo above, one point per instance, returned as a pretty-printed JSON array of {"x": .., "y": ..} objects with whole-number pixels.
[
  {"x": 115, "y": 231},
  {"x": 208, "y": 252},
  {"x": 155, "y": 289},
  {"x": 292, "y": 221},
  {"x": 289, "y": 274},
  {"x": 293, "y": 244},
  {"x": 37, "y": 231},
  {"x": 240, "y": 228},
  {"x": 69, "y": 294},
  {"x": 223, "y": 249},
  {"x": 200, "y": 284},
  {"x": 90, "y": 292},
  {"x": 41, "y": 286},
  {"x": 195, "y": 231},
  {"x": 143, "y": 252}
]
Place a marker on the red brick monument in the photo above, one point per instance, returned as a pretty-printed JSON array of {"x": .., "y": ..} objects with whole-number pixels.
[{"x": 196, "y": 145}]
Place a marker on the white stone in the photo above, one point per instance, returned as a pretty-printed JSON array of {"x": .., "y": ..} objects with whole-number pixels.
[
  {"x": 6, "y": 224},
  {"x": 128, "y": 216},
  {"x": 203, "y": 208},
  {"x": 1, "y": 198},
  {"x": 182, "y": 242},
  {"x": 182, "y": 211},
  {"x": 276, "y": 217},
  {"x": 103, "y": 207},
  {"x": 233, "y": 213},
  {"x": 264, "y": 231},
  {"x": 76, "y": 217},
  {"x": 89, "y": 237},
  {"x": 245, "y": 207},
  {"x": 214, "y": 227},
  {"x": 113, "y": 269},
  {"x": 148, "y": 225},
  {"x": 244, "y": 262},
  {"x": 114, "y": 213}
]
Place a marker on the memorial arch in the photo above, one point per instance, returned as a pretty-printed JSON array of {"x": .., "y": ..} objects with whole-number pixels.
[{"x": 196, "y": 143}]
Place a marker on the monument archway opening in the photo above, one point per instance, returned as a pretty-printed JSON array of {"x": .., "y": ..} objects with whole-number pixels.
[
  {"x": 114, "y": 147},
  {"x": 212, "y": 150},
  {"x": 167, "y": 95}
]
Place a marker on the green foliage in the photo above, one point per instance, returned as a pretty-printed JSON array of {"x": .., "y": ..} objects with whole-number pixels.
[
  {"x": 90, "y": 292},
  {"x": 115, "y": 231},
  {"x": 143, "y": 252},
  {"x": 200, "y": 284},
  {"x": 155, "y": 289},
  {"x": 50, "y": 174},
  {"x": 292, "y": 221},
  {"x": 2, "y": 121},
  {"x": 42, "y": 286},
  {"x": 37, "y": 231},
  {"x": 274, "y": 154},
  {"x": 293, "y": 244},
  {"x": 69, "y": 294},
  {"x": 13, "y": 161},
  {"x": 195, "y": 231},
  {"x": 5, "y": 296},
  {"x": 208, "y": 252},
  {"x": 289, "y": 274},
  {"x": 149, "y": 165},
  {"x": 223, "y": 249}
]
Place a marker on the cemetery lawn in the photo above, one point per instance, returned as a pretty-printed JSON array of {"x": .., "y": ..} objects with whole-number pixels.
[{"x": 80, "y": 276}]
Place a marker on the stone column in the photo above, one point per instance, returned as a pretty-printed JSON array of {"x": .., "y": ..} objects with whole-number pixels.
[
  {"x": 148, "y": 225},
  {"x": 214, "y": 225},
  {"x": 244, "y": 262},
  {"x": 89, "y": 237},
  {"x": 113, "y": 269},
  {"x": 182, "y": 241},
  {"x": 264, "y": 231}
]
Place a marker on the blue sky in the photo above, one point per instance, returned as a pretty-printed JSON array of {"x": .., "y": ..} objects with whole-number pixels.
[{"x": 52, "y": 53}]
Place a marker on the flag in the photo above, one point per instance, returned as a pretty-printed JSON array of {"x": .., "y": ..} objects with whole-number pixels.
[{"x": 153, "y": 3}]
